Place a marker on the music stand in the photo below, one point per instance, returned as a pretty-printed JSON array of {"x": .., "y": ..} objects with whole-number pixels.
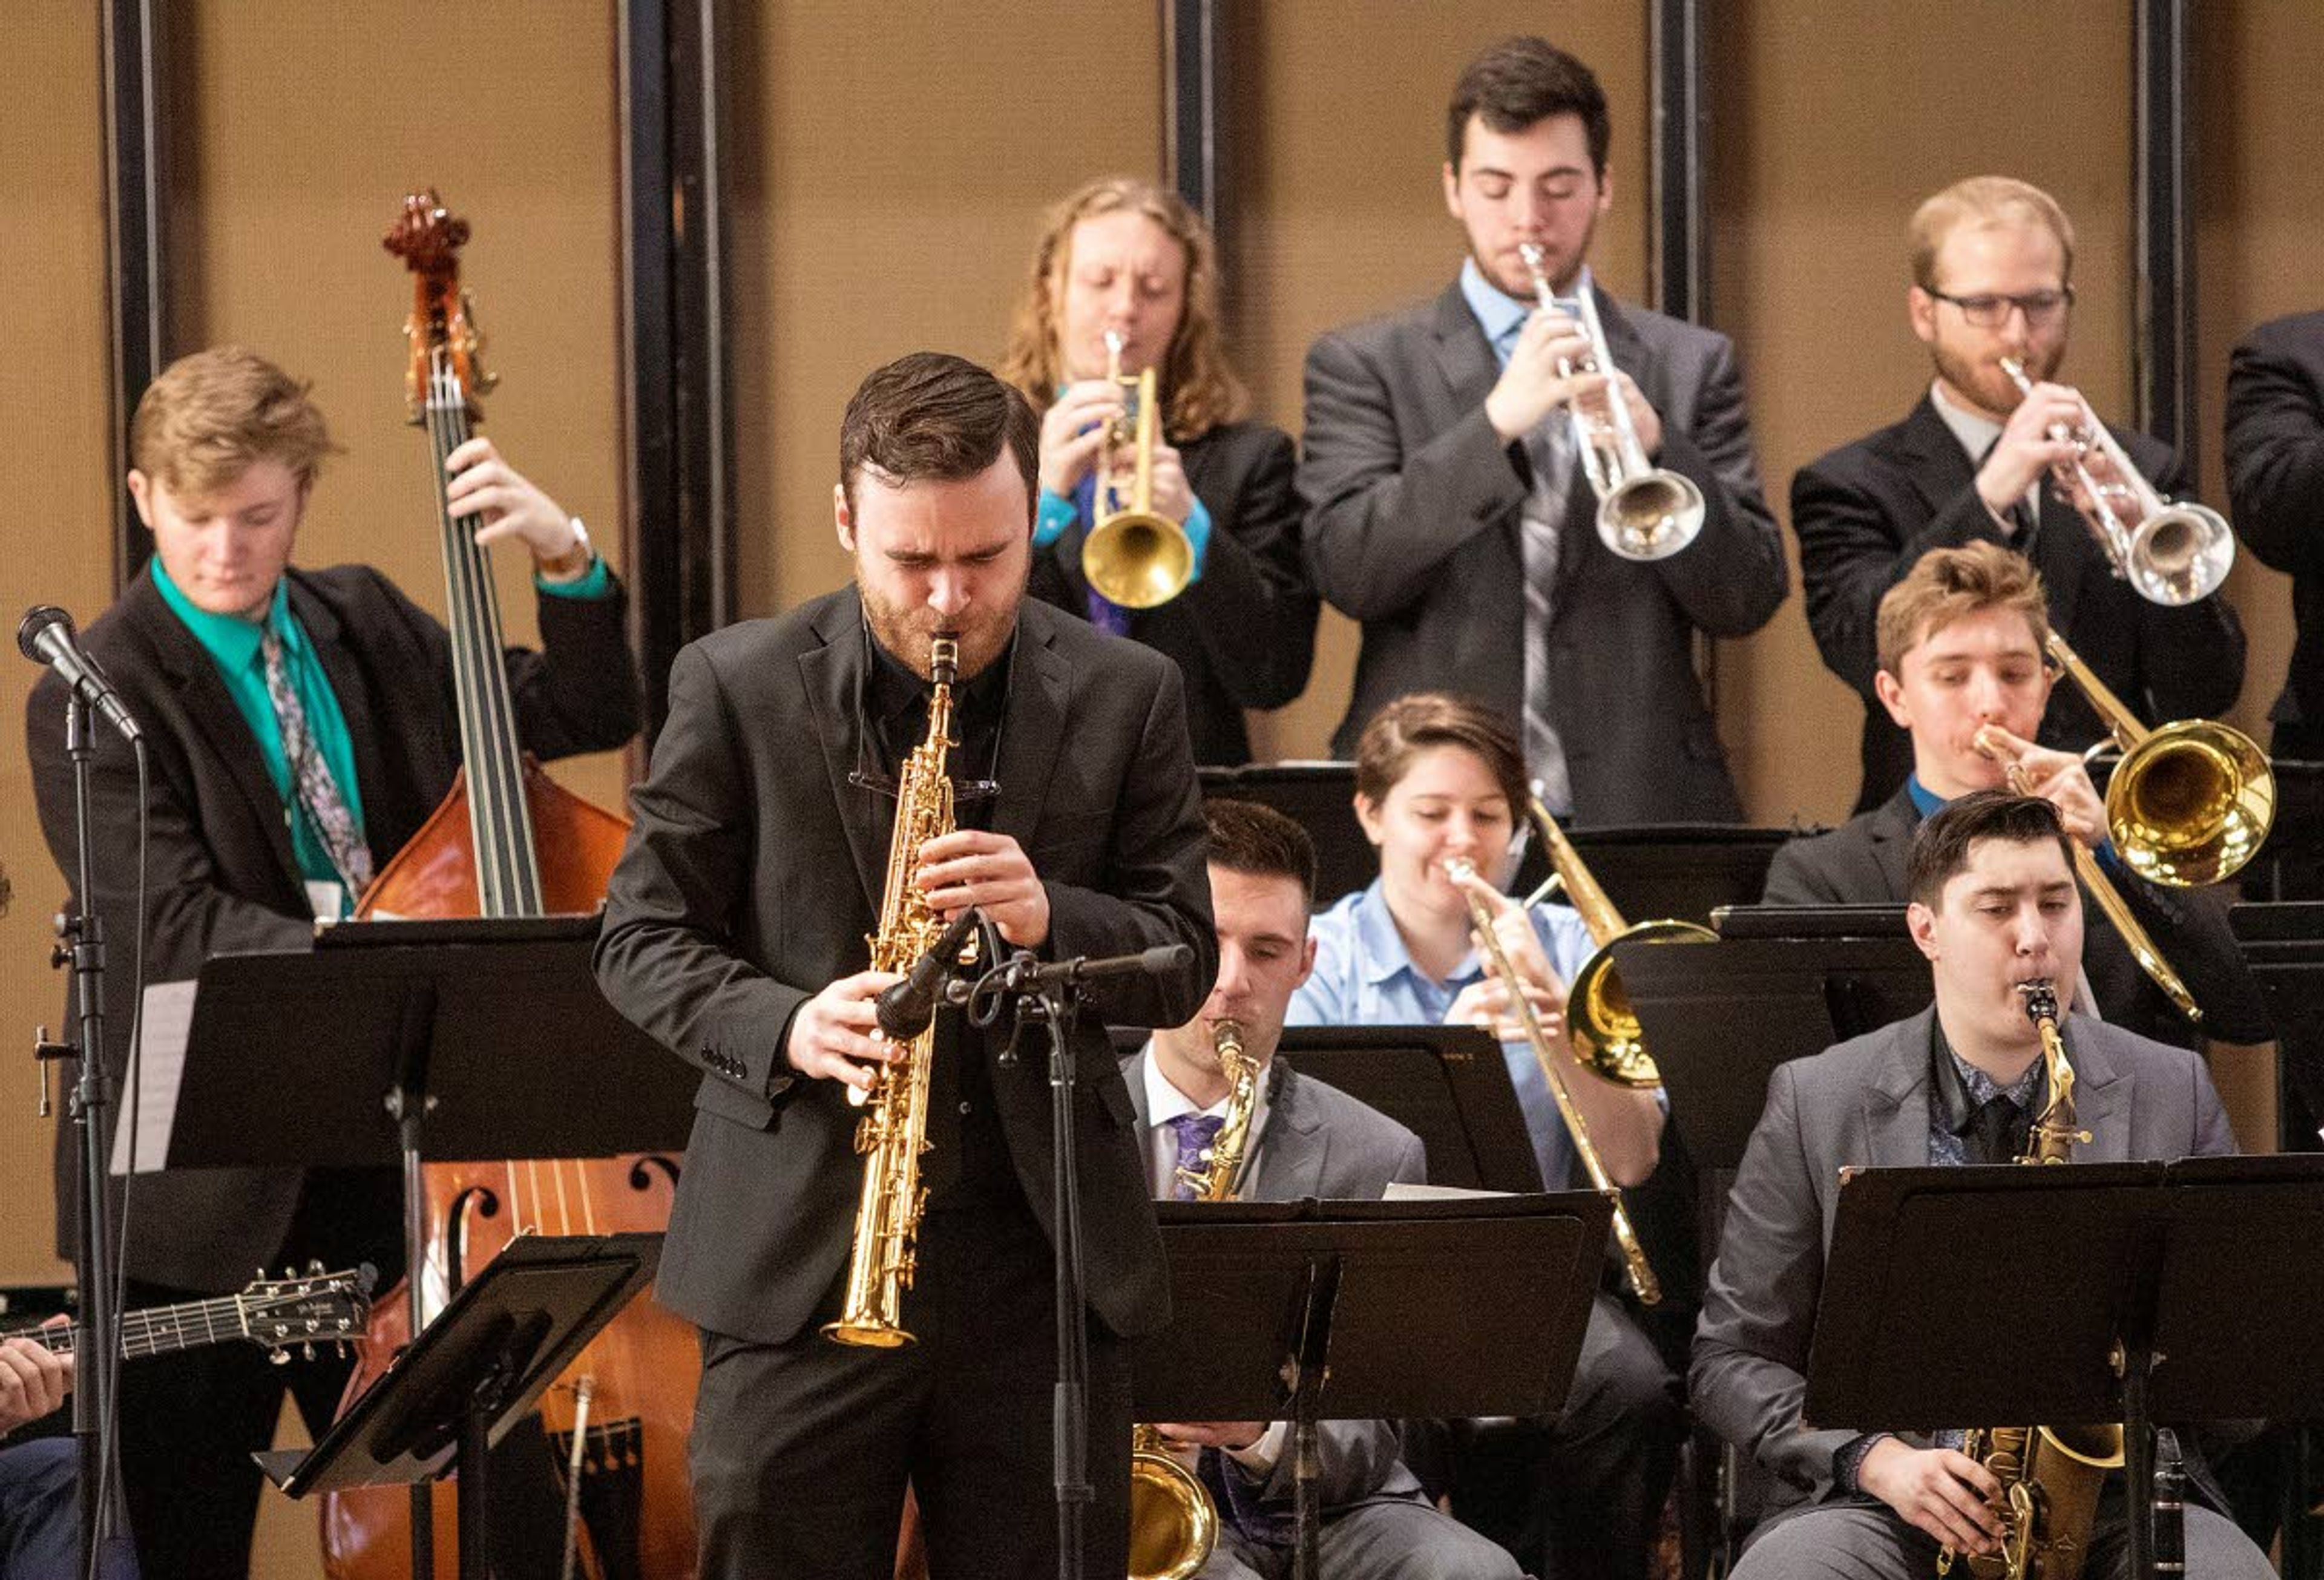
[
  {"x": 1448, "y": 1085},
  {"x": 2180, "y": 1291},
  {"x": 473, "y": 1373},
  {"x": 2284, "y": 944},
  {"x": 2291, "y": 864},
  {"x": 1356, "y": 1311}
]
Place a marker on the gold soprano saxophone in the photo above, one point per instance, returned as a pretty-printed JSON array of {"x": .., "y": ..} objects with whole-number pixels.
[
  {"x": 894, "y": 1129},
  {"x": 1173, "y": 1524},
  {"x": 2049, "y": 1476}
]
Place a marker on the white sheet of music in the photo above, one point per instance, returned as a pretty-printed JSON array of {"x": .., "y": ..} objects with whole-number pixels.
[
  {"x": 159, "y": 1064},
  {"x": 1399, "y": 1191}
]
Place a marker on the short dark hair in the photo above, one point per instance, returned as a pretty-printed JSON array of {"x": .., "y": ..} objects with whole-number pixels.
[
  {"x": 1260, "y": 841},
  {"x": 1520, "y": 82},
  {"x": 1409, "y": 725},
  {"x": 934, "y": 416},
  {"x": 1941, "y": 845}
]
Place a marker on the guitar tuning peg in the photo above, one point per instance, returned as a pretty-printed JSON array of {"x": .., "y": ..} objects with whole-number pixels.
[
  {"x": 307, "y": 1350},
  {"x": 278, "y": 1356},
  {"x": 314, "y": 1267}
]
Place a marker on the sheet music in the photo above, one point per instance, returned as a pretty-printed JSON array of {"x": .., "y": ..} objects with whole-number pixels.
[
  {"x": 1401, "y": 1190},
  {"x": 168, "y": 1023}
]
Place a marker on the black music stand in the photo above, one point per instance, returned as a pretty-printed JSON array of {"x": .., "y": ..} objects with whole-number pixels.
[
  {"x": 2184, "y": 1291},
  {"x": 2291, "y": 864},
  {"x": 472, "y": 1374},
  {"x": 1448, "y": 1085},
  {"x": 406, "y": 1042},
  {"x": 1355, "y": 1310},
  {"x": 2284, "y": 944}
]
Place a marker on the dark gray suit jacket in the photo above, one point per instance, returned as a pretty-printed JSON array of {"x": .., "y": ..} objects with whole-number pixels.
[
  {"x": 2275, "y": 484},
  {"x": 1321, "y": 1142},
  {"x": 753, "y": 874},
  {"x": 1867, "y": 512},
  {"x": 1413, "y": 529},
  {"x": 1866, "y": 1104},
  {"x": 1862, "y": 862}
]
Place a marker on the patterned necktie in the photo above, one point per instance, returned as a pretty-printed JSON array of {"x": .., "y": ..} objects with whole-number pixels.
[
  {"x": 1550, "y": 448},
  {"x": 1195, "y": 1132},
  {"x": 310, "y": 775}
]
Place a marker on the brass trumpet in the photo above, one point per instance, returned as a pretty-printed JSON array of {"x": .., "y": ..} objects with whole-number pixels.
[
  {"x": 1599, "y": 1024},
  {"x": 2169, "y": 553},
  {"x": 1644, "y": 512},
  {"x": 1134, "y": 556},
  {"x": 1643, "y": 1282}
]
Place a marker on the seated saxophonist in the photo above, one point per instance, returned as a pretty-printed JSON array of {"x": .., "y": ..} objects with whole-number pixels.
[
  {"x": 1296, "y": 1137},
  {"x": 1993, "y": 906},
  {"x": 735, "y": 934}
]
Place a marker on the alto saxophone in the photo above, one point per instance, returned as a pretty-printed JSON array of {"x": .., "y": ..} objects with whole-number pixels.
[
  {"x": 1174, "y": 1525},
  {"x": 2049, "y": 1476},
  {"x": 893, "y": 1131}
]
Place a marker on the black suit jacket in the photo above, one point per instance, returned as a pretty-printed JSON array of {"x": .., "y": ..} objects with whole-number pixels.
[
  {"x": 2275, "y": 486},
  {"x": 1867, "y": 512},
  {"x": 1862, "y": 862},
  {"x": 1414, "y": 508},
  {"x": 223, "y": 875},
  {"x": 753, "y": 874},
  {"x": 1244, "y": 636}
]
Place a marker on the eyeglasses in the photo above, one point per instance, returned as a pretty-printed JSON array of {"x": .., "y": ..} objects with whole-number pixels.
[{"x": 2041, "y": 308}]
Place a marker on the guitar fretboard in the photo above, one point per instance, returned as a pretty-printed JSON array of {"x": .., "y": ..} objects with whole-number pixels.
[{"x": 155, "y": 1330}]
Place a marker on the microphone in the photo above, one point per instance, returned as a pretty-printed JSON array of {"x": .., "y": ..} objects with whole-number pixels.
[
  {"x": 1027, "y": 976},
  {"x": 906, "y": 1009},
  {"x": 46, "y": 636}
]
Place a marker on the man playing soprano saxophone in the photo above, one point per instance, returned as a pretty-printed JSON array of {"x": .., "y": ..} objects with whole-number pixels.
[
  {"x": 735, "y": 934},
  {"x": 1994, "y": 905}
]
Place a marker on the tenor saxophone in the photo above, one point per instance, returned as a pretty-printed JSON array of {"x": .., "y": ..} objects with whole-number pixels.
[
  {"x": 2049, "y": 1476},
  {"x": 893, "y": 1131}
]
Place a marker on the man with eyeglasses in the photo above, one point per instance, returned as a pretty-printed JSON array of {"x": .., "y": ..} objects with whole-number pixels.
[{"x": 1993, "y": 263}]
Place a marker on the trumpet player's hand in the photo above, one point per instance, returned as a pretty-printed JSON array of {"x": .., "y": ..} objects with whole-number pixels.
[
  {"x": 1643, "y": 416},
  {"x": 831, "y": 1035},
  {"x": 1532, "y": 386},
  {"x": 1938, "y": 1491},
  {"x": 971, "y": 867},
  {"x": 1513, "y": 931},
  {"x": 2025, "y": 452},
  {"x": 1487, "y": 1006},
  {"x": 1074, "y": 430},
  {"x": 485, "y": 485},
  {"x": 1227, "y": 1434},
  {"x": 1172, "y": 496},
  {"x": 2059, "y": 777}
]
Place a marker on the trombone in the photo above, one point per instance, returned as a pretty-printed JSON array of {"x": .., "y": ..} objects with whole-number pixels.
[
  {"x": 1599, "y": 1023},
  {"x": 2169, "y": 553},
  {"x": 1644, "y": 512},
  {"x": 1643, "y": 1282},
  {"x": 1134, "y": 556}
]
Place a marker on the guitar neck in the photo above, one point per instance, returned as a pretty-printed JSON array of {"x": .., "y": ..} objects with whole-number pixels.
[{"x": 156, "y": 1330}]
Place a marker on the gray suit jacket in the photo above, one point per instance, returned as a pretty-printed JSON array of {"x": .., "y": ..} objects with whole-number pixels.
[
  {"x": 1321, "y": 1142},
  {"x": 1413, "y": 529},
  {"x": 1866, "y": 1103}
]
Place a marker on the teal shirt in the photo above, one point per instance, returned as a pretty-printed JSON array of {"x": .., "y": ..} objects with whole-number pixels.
[{"x": 232, "y": 642}]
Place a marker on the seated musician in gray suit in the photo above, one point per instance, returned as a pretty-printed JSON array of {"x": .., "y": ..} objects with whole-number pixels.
[
  {"x": 1301, "y": 1138},
  {"x": 1447, "y": 507},
  {"x": 1960, "y": 642},
  {"x": 1993, "y": 906}
]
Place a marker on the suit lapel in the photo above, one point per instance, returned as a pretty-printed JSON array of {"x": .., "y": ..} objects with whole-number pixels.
[
  {"x": 322, "y": 627},
  {"x": 833, "y": 675},
  {"x": 1933, "y": 459},
  {"x": 217, "y": 720},
  {"x": 1895, "y": 1102},
  {"x": 2058, "y": 552},
  {"x": 1294, "y": 1149},
  {"x": 1032, "y": 729},
  {"x": 1891, "y": 828},
  {"x": 1463, "y": 356},
  {"x": 2102, "y": 1096}
]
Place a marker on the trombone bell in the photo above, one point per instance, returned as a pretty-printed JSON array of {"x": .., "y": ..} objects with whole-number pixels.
[
  {"x": 1599, "y": 1020},
  {"x": 2190, "y": 803}
]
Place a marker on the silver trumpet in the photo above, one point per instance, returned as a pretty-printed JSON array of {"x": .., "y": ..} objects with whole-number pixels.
[
  {"x": 1644, "y": 512},
  {"x": 2169, "y": 553}
]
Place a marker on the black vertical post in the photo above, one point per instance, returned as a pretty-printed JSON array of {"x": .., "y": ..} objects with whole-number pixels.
[
  {"x": 1678, "y": 249},
  {"x": 132, "y": 180},
  {"x": 1191, "y": 113},
  {"x": 680, "y": 529},
  {"x": 2163, "y": 345}
]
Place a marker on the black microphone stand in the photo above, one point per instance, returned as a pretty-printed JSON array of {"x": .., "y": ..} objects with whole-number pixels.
[{"x": 80, "y": 934}]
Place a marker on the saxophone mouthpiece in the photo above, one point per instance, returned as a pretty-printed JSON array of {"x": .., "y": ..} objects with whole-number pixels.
[
  {"x": 943, "y": 657},
  {"x": 2041, "y": 996}
]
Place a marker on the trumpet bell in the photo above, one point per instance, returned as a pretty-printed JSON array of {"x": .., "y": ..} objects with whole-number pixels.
[
  {"x": 1599, "y": 1023},
  {"x": 1173, "y": 1524},
  {"x": 1651, "y": 517},
  {"x": 2182, "y": 553},
  {"x": 2190, "y": 803},
  {"x": 1138, "y": 559}
]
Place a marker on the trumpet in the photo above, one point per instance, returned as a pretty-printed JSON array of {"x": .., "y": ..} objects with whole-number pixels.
[
  {"x": 1644, "y": 512},
  {"x": 1641, "y": 1274},
  {"x": 1599, "y": 1024},
  {"x": 1134, "y": 556},
  {"x": 2189, "y": 802},
  {"x": 2169, "y": 553}
]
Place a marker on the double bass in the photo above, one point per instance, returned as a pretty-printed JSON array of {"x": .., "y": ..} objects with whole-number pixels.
[{"x": 508, "y": 841}]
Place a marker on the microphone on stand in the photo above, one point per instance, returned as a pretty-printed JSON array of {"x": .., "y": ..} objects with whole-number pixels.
[
  {"x": 46, "y": 636},
  {"x": 906, "y": 1009}
]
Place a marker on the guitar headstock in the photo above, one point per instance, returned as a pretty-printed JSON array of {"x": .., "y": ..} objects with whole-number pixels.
[
  {"x": 442, "y": 328},
  {"x": 317, "y": 1308}
]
